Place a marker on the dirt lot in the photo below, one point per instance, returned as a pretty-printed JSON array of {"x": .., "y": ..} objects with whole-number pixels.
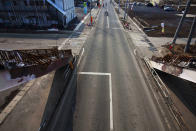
[
  {"x": 174, "y": 55},
  {"x": 151, "y": 18}
]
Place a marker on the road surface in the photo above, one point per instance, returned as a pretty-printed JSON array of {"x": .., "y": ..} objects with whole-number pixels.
[{"x": 112, "y": 93}]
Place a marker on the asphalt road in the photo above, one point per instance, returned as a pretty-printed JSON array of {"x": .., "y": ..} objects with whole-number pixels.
[{"x": 112, "y": 93}]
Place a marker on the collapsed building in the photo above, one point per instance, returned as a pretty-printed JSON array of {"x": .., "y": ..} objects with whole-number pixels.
[
  {"x": 19, "y": 66},
  {"x": 36, "y": 14}
]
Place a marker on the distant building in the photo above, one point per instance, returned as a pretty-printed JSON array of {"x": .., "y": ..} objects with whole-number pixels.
[{"x": 36, "y": 13}]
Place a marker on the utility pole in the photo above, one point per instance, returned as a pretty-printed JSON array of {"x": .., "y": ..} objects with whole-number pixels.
[
  {"x": 181, "y": 21},
  {"x": 125, "y": 9},
  {"x": 187, "y": 47},
  {"x": 90, "y": 13},
  {"x": 118, "y": 6}
]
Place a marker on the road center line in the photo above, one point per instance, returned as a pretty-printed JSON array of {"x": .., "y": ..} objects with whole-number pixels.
[
  {"x": 108, "y": 20},
  {"x": 110, "y": 92}
]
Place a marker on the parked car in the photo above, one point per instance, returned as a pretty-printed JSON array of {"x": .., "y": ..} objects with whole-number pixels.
[
  {"x": 134, "y": 4},
  {"x": 169, "y": 8},
  {"x": 149, "y": 4},
  {"x": 140, "y": 4}
]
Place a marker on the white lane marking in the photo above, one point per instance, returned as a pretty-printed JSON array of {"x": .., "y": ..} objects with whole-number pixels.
[
  {"x": 108, "y": 22},
  {"x": 110, "y": 93},
  {"x": 94, "y": 73},
  {"x": 19, "y": 41},
  {"x": 135, "y": 51},
  {"x": 116, "y": 28},
  {"x": 80, "y": 56},
  {"x": 111, "y": 104}
]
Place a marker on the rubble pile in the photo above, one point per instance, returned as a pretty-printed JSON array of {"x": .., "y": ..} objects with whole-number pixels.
[
  {"x": 174, "y": 55},
  {"x": 36, "y": 61},
  {"x": 125, "y": 24}
]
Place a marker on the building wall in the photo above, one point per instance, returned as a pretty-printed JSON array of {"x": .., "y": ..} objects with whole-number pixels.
[
  {"x": 67, "y": 6},
  {"x": 40, "y": 13}
]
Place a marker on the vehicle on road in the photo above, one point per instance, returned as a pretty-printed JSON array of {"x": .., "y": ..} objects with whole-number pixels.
[{"x": 106, "y": 13}]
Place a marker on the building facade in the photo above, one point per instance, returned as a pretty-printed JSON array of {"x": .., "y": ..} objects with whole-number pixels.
[{"x": 36, "y": 13}]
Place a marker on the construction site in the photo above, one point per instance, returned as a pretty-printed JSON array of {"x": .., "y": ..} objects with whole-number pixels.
[{"x": 56, "y": 60}]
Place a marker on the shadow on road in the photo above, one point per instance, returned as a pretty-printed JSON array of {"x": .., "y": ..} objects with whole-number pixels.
[
  {"x": 58, "y": 114},
  {"x": 184, "y": 90}
]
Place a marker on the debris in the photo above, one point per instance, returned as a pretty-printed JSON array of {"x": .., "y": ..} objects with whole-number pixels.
[
  {"x": 35, "y": 62},
  {"x": 174, "y": 55},
  {"x": 125, "y": 24}
]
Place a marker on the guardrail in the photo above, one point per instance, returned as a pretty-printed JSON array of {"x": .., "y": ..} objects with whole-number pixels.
[{"x": 166, "y": 95}]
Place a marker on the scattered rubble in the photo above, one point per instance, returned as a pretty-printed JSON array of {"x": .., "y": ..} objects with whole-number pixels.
[
  {"x": 125, "y": 24},
  {"x": 174, "y": 55},
  {"x": 35, "y": 62}
]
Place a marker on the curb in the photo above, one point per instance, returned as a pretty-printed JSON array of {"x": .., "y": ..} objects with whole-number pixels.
[{"x": 9, "y": 108}]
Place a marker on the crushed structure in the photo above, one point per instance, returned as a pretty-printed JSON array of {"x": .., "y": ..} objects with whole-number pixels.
[{"x": 19, "y": 66}]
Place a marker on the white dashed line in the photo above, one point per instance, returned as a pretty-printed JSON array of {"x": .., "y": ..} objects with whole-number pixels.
[
  {"x": 135, "y": 51},
  {"x": 108, "y": 21},
  {"x": 80, "y": 56}
]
